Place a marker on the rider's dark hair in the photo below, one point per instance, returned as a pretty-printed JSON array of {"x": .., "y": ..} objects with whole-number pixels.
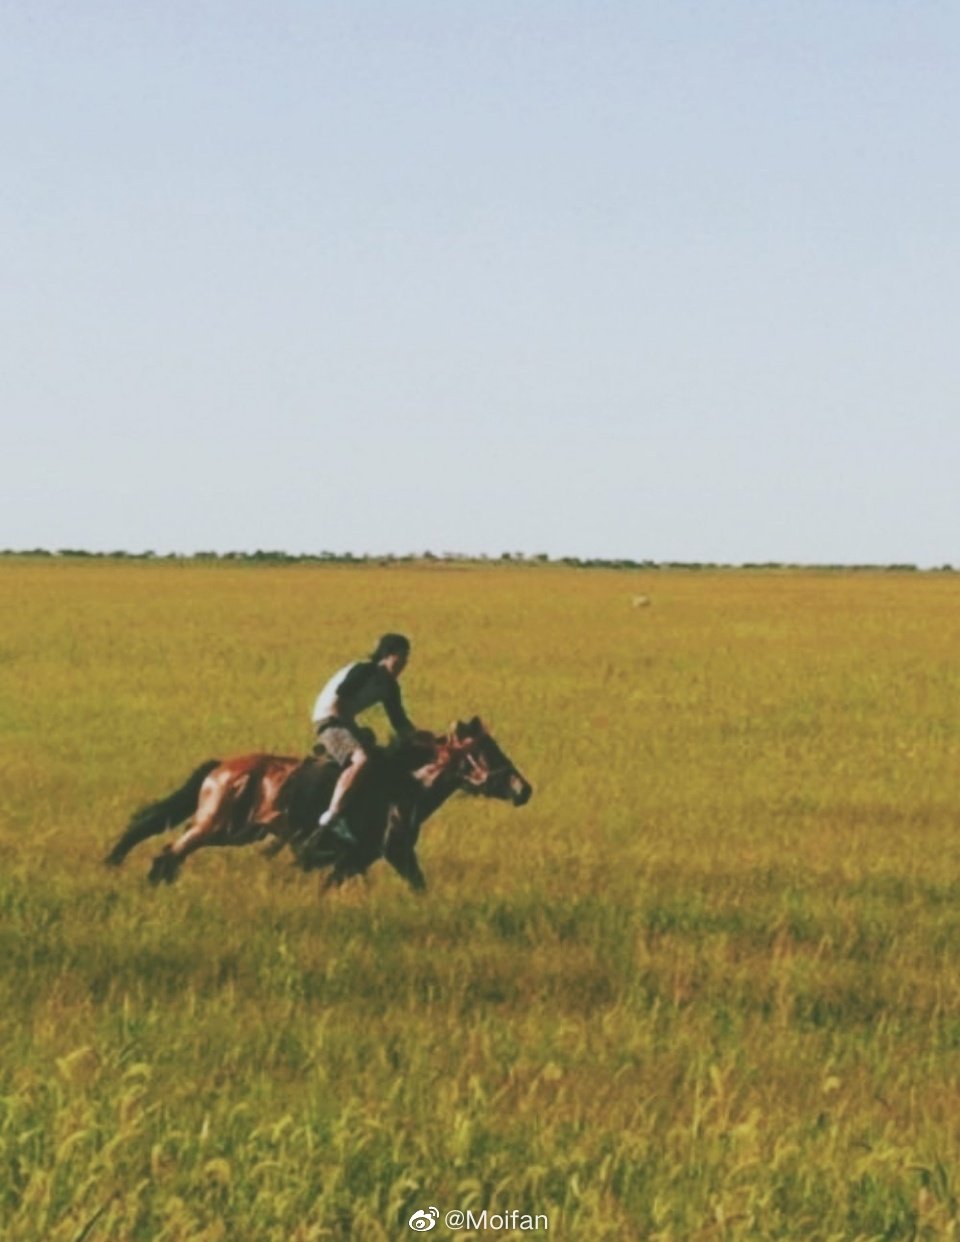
[{"x": 391, "y": 644}]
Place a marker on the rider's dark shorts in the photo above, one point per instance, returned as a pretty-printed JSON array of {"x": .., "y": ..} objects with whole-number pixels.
[{"x": 338, "y": 740}]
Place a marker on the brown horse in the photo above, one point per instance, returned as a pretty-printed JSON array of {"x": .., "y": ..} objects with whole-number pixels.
[{"x": 243, "y": 800}]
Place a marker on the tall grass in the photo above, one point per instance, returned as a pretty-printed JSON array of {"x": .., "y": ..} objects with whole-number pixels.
[{"x": 706, "y": 985}]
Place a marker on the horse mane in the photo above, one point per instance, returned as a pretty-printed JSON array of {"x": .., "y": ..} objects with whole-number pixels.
[{"x": 411, "y": 746}]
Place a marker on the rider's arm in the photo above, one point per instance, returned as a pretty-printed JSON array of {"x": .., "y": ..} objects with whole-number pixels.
[{"x": 393, "y": 706}]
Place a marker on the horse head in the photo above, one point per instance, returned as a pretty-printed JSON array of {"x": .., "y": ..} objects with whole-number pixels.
[{"x": 480, "y": 765}]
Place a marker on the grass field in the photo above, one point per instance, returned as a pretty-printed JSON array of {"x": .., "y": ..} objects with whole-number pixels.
[{"x": 706, "y": 985}]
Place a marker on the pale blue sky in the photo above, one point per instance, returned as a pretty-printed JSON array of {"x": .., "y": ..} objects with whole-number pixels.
[{"x": 657, "y": 280}]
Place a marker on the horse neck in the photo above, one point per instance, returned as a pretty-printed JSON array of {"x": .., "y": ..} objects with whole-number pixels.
[
  {"x": 437, "y": 779},
  {"x": 434, "y": 795}
]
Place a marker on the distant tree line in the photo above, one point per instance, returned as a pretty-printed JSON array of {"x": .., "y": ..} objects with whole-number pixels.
[{"x": 277, "y": 557}]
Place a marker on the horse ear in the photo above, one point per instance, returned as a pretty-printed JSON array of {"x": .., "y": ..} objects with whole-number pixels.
[
  {"x": 476, "y": 726},
  {"x": 459, "y": 730}
]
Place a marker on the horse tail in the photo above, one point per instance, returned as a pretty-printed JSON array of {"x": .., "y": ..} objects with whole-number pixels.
[{"x": 159, "y": 816}]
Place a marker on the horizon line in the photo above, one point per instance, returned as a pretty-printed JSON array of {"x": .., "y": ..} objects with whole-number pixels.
[{"x": 261, "y": 556}]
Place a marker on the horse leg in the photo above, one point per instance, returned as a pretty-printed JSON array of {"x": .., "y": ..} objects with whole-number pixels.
[
  {"x": 334, "y": 880},
  {"x": 217, "y": 800},
  {"x": 399, "y": 848},
  {"x": 406, "y": 864},
  {"x": 402, "y": 857},
  {"x": 315, "y": 856},
  {"x": 319, "y": 848},
  {"x": 340, "y": 874},
  {"x": 282, "y": 834},
  {"x": 166, "y": 866}
]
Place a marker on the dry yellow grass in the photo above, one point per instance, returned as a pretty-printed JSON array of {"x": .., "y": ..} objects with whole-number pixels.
[{"x": 706, "y": 985}]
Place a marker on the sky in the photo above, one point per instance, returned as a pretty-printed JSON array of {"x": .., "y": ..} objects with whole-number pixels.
[{"x": 580, "y": 277}]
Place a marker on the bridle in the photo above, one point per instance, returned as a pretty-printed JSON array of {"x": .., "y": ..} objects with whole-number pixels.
[
  {"x": 452, "y": 757},
  {"x": 471, "y": 770}
]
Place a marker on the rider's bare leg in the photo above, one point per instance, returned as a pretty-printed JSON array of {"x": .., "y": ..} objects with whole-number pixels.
[{"x": 344, "y": 786}]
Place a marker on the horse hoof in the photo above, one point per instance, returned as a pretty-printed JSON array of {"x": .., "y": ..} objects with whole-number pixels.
[{"x": 165, "y": 868}]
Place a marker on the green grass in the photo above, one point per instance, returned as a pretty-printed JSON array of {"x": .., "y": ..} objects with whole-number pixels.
[{"x": 706, "y": 985}]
